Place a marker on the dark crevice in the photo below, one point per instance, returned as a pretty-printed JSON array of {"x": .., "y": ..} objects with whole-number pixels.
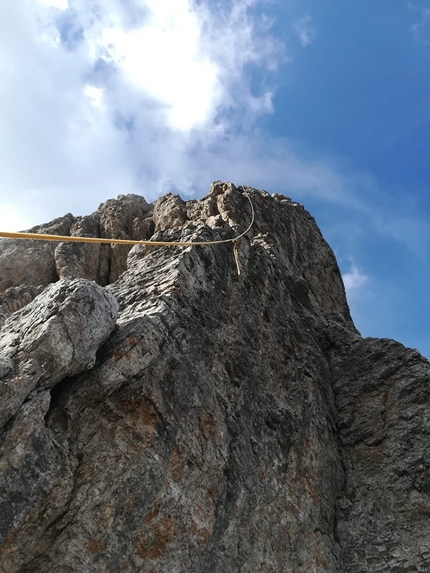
[
  {"x": 107, "y": 349},
  {"x": 58, "y": 392},
  {"x": 5, "y": 429}
]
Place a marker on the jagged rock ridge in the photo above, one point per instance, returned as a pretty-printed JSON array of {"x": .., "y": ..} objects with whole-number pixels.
[{"x": 179, "y": 418}]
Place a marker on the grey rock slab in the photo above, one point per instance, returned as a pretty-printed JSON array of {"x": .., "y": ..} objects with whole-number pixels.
[
  {"x": 54, "y": 336},
  {"x": 382, "y": 392},
  {"x": 44, "y": 262},
  {"x": 15, "y": 298},
  {"x": 169, "y": 211},
  {"x": 34, "y": 467},
  {"x": 127, "y": 217},
  {"x": 31, "y": 262},
  {"x": 74, "y": 260}
]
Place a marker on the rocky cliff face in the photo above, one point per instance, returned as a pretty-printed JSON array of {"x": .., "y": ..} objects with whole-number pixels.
[{"x": 176, "y": 417}]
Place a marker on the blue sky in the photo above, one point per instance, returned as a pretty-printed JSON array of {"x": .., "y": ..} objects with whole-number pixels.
[{"x": 327, "y": 102}]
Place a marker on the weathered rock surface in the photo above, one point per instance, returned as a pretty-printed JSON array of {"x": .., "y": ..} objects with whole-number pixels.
[
  {"x": 229, "y": 424},
  {"x": 15, "y": 298},
  {"x": 40, "y": 263},
  {"x": 54, "y": 336},
  {"x": 382, "y": 394},
  {"x": 31, "y": 262}
]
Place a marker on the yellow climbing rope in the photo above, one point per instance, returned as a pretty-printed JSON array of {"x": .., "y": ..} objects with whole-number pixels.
[{"x": 63, "y": 238}]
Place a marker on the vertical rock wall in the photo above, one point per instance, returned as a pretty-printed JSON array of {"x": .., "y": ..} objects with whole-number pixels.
[{"x": 223, "y": 423}]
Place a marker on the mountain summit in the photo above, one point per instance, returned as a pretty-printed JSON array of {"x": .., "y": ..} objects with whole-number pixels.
[{"x": 161, "y": 414}]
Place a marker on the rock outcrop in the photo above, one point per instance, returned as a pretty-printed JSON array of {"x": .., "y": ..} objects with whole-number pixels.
[
  {"x": 41, "y": 263},
  {"x": 211, "y": 422},
  {"x": 382, "y": 392}
]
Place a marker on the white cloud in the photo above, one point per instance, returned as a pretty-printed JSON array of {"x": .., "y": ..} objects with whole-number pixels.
[
  {"x": 354, "y": 280},
  {"x": 164, "y": 59},
  {"x": 95, "y": 95},
  {"x": 304, "y": 30},
  {"x": 60, "y": 4},
  {"x": 12, "y": 218},
  {"x": 99, "y": 98}
]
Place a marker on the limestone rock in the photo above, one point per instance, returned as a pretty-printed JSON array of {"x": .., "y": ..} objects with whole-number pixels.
[
  {"x": 229, "y": 424},
  {"x": 41, "y": 263},
  {"x": 31, "y": 262},
  {"x": 118, "y": 215},
  {"x": 15, "y": 298},
  {"x": 382, "y": 394},
  {"x": 54, "y": 336},
  {"x": 80, "y": 260},
  {"x": 73, "y": 260},
  {"x": 169, "y": 211},
  {"x": 122, "y": 219}
]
